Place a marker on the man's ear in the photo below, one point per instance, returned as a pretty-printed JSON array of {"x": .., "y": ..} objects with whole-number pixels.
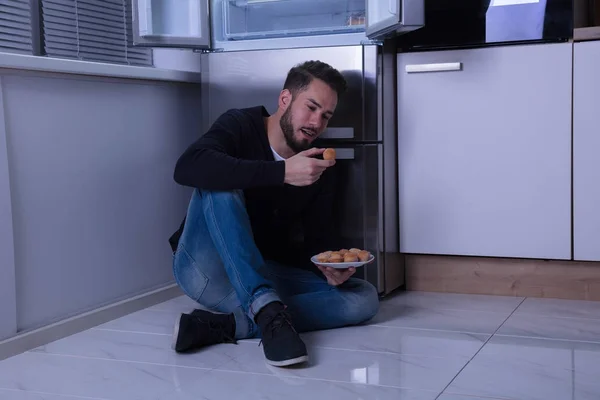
[{"x": 285, "y": 99}]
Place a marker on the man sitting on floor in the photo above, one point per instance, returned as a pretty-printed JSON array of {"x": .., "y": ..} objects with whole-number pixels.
[{"x": 257, "y": 183}]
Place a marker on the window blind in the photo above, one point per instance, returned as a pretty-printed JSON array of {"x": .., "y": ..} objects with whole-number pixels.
[
  {"x": 91, "y": 30},
  {"x": 15, "y": 26}
]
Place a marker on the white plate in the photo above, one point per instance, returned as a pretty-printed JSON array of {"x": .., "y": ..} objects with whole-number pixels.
[{"x": 342, "y": 265}]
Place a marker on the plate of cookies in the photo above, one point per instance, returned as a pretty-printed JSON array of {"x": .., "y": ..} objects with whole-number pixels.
[{"x": 343, "y": 258}]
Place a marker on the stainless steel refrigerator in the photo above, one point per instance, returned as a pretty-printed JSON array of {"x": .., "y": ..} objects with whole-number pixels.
[
  {"x": 363, "y": 131},
  {"x": 250, "y": 45}
]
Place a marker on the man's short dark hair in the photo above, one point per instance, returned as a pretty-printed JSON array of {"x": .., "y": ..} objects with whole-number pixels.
[{"x": 300, "y": 76}]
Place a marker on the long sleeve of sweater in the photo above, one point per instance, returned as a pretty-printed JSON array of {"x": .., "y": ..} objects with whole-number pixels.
[{"x": 219, "y": 161}]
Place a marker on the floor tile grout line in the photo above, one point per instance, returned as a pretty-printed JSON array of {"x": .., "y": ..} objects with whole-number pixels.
[
  {"x": 158, "y": 310},
  {"x": 547, "y": 338},
  {"x": 390, "y": 353},
  {"x": 219, "y": 369},
  {"x": 433, "y": 308},
  {"x": 370, "y": 325},
  {"x": 325, "y": 380},
  {"x": 66, "y": 396},
  {"x": 477, "y": 397},
  {"x": 556, "y": 316},
  {"x": 408, "y": 328},
  {"x": 248, "y": 342},
  {"x": 128, "y": 331},
  {"x": 387, "y": 353},
  {"x": 207, "y": 369},
  {"x": 38, "y": 350},
  {"x": 430, "y": 329},
  {"x": 481, "y": 348}
]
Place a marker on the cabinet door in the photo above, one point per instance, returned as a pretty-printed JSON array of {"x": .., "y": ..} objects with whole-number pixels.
[
  {"x": 586, "y": 143},
  {"x": 387, "y": 16},
  {"x": 485, "y": 151},
  {"x": 171, "y": 23}
]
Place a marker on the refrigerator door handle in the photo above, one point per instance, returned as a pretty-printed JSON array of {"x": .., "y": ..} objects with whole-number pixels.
[
  {"x": 344, "y": 154},
  {"x": 338, "y": 133}
]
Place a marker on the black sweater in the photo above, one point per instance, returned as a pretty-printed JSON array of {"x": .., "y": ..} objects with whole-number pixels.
[{"x": 289, "y": 223}]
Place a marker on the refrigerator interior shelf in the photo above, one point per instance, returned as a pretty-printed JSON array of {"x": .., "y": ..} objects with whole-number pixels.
[
  {"x": 293, "y": 32},
  {"x": 243, "y": 20}
]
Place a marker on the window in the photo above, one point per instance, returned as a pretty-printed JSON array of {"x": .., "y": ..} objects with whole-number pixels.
[
  {"x": 15, "y": 26},
  {"x": 88, "y": 30},
  {"x": 91, "y": 30}
]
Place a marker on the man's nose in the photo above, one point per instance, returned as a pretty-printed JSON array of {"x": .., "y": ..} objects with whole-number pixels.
[{"x": 315, "y": 123}]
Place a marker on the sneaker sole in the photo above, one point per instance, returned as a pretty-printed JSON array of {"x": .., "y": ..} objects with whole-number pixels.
[
  {"x": 175, "y": 333},
  {"x": 287, "y": 363}
]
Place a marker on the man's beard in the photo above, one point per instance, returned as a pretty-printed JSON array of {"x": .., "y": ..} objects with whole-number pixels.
[{"x": 288, "y": 133}]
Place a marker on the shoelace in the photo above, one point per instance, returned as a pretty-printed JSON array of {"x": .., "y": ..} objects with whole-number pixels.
[
  {"x": 217, "y": 332},
  {"x": 276, "y": 322}
]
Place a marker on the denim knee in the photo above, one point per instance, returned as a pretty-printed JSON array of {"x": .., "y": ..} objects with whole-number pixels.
[
  {"x": 189, "y": 277},
  {"x": 224, "y": 196},
  {"x": 362, "y": 303},
  {"x": 370, "y": 301}
]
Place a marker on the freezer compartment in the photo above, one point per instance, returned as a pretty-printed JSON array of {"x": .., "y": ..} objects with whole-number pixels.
[{"x": 263, "y": 19}]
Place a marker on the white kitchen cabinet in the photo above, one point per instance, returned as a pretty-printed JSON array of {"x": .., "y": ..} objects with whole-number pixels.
[
  {"x": 586, "y": 142},
  {"x": 485, "y": 151},
  {"x": 230, "y": 25}
]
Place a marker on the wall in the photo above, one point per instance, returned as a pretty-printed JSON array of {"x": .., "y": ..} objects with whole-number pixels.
[
  {"x": 8, "y": 306},
  {"x": 93, "y": 200},
  {"x": 177, "y": 59}
]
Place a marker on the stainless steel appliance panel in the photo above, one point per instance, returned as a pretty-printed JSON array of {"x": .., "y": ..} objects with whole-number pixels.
[
  {"x": 363, "y": 131},
  {"x": 392, "y": 274}
]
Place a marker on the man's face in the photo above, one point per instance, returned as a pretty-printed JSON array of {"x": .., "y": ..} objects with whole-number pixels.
[{"x": 307, "y": 115}]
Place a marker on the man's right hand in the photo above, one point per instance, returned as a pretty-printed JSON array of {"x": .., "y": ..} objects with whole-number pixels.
[{"x": 303, "y": 170}]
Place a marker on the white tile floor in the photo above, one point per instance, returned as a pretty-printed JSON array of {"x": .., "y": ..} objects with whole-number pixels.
[{"x": 421, "y": 346}]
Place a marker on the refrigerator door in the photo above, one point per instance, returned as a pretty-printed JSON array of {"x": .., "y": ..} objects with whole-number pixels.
[
  {"x": 171, "y": 23},
  {"x": 357, "y": 210},
  {"x": 385, "y": 17},
  {"x": 367, "y": 184},
  {"x": 360, "y": 215},
  {"x": 250, "y": 78}
]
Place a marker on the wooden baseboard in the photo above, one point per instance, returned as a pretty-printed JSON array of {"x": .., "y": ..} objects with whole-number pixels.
[
  {"x": 585, "y": 34},
  {"x": 506, "y": 277}
]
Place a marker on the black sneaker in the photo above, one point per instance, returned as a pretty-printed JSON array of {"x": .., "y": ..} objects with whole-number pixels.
[
  {"x": 202, "y": 328},
  {"x": 282, "y": 344}
]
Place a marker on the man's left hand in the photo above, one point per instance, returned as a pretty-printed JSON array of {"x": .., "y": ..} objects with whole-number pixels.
[{"x": 336, "y": 276}]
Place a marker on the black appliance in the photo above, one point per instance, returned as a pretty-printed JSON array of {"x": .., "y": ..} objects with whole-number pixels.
[{"x": 474, "y": 23}]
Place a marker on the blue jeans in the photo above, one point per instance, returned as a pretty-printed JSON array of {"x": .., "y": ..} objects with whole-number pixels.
[{"x": 218, "y": 265}]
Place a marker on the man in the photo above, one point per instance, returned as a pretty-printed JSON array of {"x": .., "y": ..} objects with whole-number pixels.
[{"x": 262, "y": 205}]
